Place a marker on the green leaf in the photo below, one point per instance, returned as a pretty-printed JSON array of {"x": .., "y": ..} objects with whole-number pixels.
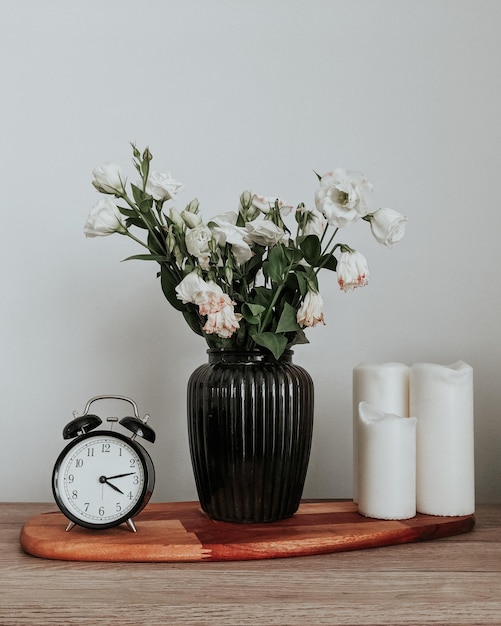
[
  {"x": 277, "y": 265},
  {"x": 276, "y": 344},
  {"x": 146, "y": 204},
  {"x": 147, "y": 257},
  {"x": 328, "y": 261},
  {"x": 256, "y": 309},
  {"x": 299, "y": 338},
  {"x": 264, "y": 296},
  {"x": 252, "y": 312},
  {"x": 127, "y": 212},
  {"x": 135, "y": 221},
  {"x": 288, "y": 321},
  {"x": 293, "y": 255},
  {"x": 137, "y": 194},
  {"x": 169, "y": 284},
  {"x": 193, "y": 319},
  {"x": 311, "y": 248}
]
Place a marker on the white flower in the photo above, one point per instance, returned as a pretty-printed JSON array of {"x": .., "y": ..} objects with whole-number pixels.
[
  {"x": 311, "y": 311},
  {"x": 104, "y": 219},
  {"x": 343, "y": 196},
  {"x": 223, "y": 322},
  {"x": 352, "y": 270},
  {"x": 212, "y": 302},
  {"x": 108, "y": 178},
  {"x": 312, "y": 221},
  {"x": 162, "y": 186},
  {"x": 197, "y": 243},
  {"x": 265, "y": 233},
  {"x": 387, "y": 226},
  {"x": 192, "y": 288},
  {"x": 227, "y": 232},
  {"x": 265, "y": 204}
]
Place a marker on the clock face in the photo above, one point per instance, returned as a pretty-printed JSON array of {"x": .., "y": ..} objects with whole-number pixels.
[{"x": 102, "y": 479}]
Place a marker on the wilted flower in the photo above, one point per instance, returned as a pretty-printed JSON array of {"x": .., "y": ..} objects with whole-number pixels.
[
  {"x": 311, "y": 311},
  {"x": 352, "y": 270},
  {"x": 212, "y": 303}
]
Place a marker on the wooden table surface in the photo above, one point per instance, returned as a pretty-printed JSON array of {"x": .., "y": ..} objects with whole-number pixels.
[{"x": 455, "y": 580}]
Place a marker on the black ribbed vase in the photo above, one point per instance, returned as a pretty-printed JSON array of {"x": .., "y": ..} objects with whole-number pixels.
[{"x": 250, "y": 423}]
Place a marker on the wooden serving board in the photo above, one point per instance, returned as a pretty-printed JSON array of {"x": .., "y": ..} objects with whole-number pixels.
[{"x": 180, "y": 531}]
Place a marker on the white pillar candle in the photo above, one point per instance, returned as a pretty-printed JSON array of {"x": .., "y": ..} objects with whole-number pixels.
[
  {"x": 383, "y": 385},
  {"x": 442, "y": 399},
  {"x": 387, "y": 464}
]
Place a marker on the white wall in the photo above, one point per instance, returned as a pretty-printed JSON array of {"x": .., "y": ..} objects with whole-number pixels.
[{"x": 232, "y": 95}]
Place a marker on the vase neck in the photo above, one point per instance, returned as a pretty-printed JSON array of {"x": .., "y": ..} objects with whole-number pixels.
[{"x": 236, "y": 355}]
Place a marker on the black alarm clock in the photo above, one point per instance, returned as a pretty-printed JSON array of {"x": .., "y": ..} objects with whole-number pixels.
[{"x": 104, "y": 478}]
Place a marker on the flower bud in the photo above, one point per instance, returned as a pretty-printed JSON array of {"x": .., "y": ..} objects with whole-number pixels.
[
  {"x": 192, "y": 207},
  {"x": 245, "y": 199},
  {"x": 178, "y": 254},
  {"x": 176, "y": 218},
  {"x": 192, "y": 220},
  {"x": 170, "y": 241}
]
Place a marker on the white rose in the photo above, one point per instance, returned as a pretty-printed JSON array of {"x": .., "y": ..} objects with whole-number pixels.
[
  {"x": 192, "y": 288},
  {"x": 104, "y": 219},
  {"x": 352, "y": 270},
  {"x": 266, "y": 203},
  {"x": 162, "y": 186},
  {"x": 343, "y": 196},
  {"x": 311, "y": 311},
  {"x": 265, "y": 233},
  {"x": 197, "y": 243},
  {"x": 108, "y": 178},
  {"x": 387, "y": 226},
  {"x": 227, "y": 232}
]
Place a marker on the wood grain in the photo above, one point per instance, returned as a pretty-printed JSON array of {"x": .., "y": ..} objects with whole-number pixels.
[
  {"x": 179, "y": 531},
  {"x": 451, "y": 581}
]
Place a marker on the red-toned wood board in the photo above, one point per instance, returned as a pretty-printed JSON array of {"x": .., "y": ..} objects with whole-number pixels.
[{"x": 180, "y": 531}]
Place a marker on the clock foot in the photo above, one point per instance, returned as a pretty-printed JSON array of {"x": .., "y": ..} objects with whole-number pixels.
[
  {"x": 131, "y": 525},
  {"x": 70, "y": 526}
]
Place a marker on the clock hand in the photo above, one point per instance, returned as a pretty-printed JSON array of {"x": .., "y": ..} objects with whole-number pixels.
[
  {"x": 103, "y": 479},
  {"x": 119, "y": 476}
]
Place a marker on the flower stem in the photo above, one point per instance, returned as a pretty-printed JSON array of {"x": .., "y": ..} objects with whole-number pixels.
[
  {"x": 152, "y": 230},
  {"x": 325, "y": 253}
]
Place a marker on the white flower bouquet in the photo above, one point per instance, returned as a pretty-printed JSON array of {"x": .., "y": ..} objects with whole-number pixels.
[{"x": 241, "y": 279}]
